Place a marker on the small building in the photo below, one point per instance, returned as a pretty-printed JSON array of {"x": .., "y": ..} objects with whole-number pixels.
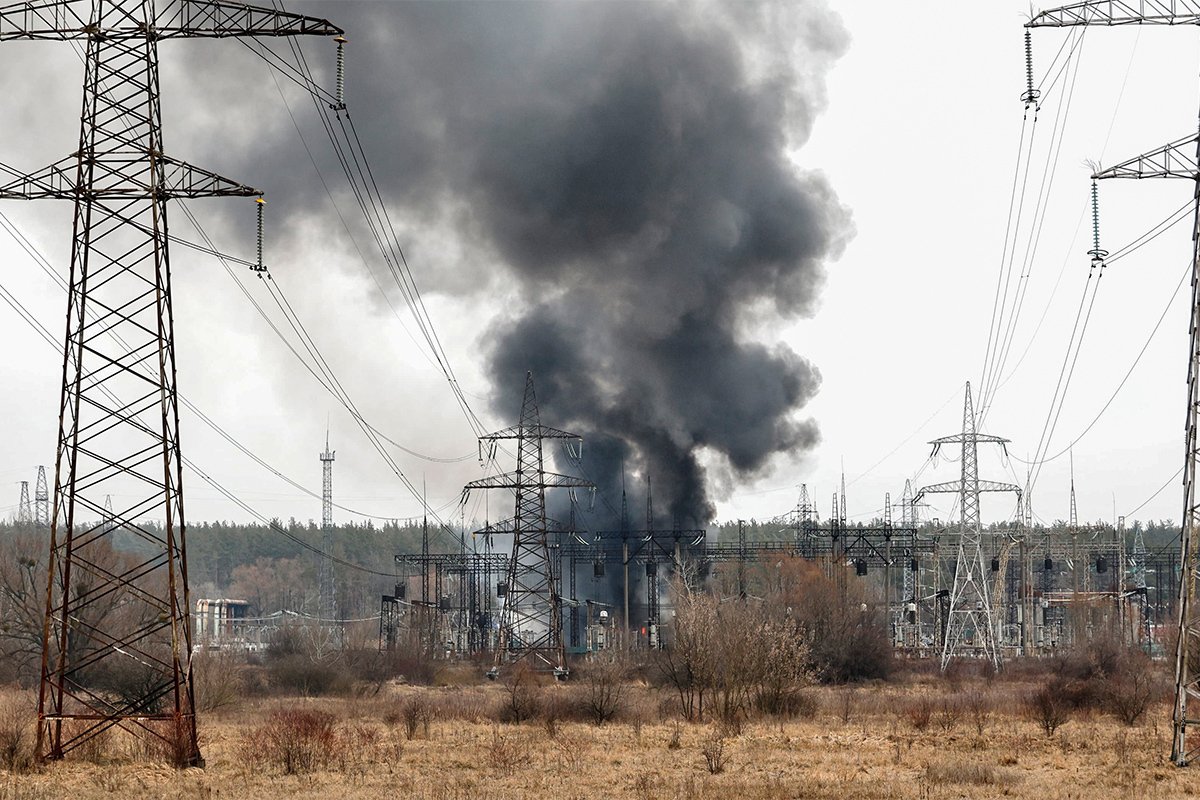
[{"x": 220, "y": 623}]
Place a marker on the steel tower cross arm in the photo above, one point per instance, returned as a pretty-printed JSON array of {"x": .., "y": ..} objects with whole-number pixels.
[
  {"x": 517, "y": 480},
  {"x": 111, "y": 181},
  {"x": 62, "y": 20},
  {"x": 1119, "y": 12},
  {"x": 510, "y": 525},
  {"x": 1175, "y": 160},
  {"x": 955, "y": 487},
  {"x": 959, "y": 438},
  {"x": 540, "y": 431}
]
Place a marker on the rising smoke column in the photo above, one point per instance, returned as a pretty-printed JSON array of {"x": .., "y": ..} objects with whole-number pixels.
[
  {"x": 648, "y": 205},
  {"x": 615, "y": 182}
]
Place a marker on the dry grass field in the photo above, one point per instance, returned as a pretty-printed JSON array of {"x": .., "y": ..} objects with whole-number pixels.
[{"x": 921, "y": 739}]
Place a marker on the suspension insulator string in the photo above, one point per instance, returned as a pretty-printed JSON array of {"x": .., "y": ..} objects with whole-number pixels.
[
  {"x": 1097, "y": 253},
  {"x": 1031, "y": 94},
  {"x": 340, "y": 84},
  {"x": 258, "y": 266}
]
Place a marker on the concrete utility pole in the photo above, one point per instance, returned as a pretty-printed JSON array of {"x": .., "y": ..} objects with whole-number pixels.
[{"x": 118, "y": 429}]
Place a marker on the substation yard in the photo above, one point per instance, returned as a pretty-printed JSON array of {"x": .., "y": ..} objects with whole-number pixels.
[{"x": 863, "y": 742}]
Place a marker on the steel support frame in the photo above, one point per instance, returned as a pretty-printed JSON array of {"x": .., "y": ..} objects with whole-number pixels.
[{"x": 118, "y": 427}]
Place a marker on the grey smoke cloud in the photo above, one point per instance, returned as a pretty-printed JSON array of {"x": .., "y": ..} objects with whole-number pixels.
[{"x": 620, "y": 179}]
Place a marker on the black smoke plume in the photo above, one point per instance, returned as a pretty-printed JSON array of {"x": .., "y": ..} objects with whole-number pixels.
[{"x": 620, "y": 178}]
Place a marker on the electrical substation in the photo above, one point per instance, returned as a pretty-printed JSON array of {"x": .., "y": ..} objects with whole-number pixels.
[{"x": 531, "y": 590}]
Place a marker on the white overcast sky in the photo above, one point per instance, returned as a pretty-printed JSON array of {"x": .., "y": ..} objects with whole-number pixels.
[{"x": 919, "y": 140}]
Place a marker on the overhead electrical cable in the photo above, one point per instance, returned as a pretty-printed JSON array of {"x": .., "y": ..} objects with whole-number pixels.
[
  {"x": 41, "y": 330},
  {"x": 1041, "y": 206}
]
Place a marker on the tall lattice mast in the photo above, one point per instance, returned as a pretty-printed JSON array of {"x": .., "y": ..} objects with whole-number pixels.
[
  {"x": 24, "y": 510},
  {"x": 1178, "y": 159},
  {"x": 908, "y": 519},
  {"x": 971, "y": 627},
  {"x": 118, "y": 416},
  {"x": 327, "y": 599},
  {"x": 41, "y": 500},
  {"x": 531, "y": 620}
]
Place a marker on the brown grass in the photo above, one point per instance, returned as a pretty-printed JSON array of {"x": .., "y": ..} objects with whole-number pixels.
[{"x": 874, "y": 753}]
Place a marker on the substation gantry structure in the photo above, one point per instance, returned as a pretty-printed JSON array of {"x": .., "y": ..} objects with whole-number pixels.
[
  {"x": 118, "y": 427},
  {"x": 1179, "y": 159}
]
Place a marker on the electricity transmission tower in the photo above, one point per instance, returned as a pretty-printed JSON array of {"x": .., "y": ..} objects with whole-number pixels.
[
  {"x": 118, "y": 416},
  {"x": 327, "y": 604},
  {"x": 1178, "y": 159},
  {"x": 24, "y": 512},
  {"x": 41, "y": 500},
  {"x": 971, "y": 626},
  {"x": 531, "y": 619}
]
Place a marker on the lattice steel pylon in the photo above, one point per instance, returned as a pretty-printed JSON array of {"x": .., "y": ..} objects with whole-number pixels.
[
  {"x": 24, "y": 510},
  {"x": 531, "y": 620},
  {"x": 1178, "y": 159},
  {"x": 326, "y": 598},
  {"x": 118, "y": 415},
  {"x": 41, "y": 500},
  {"x": 970, "y": 604}
]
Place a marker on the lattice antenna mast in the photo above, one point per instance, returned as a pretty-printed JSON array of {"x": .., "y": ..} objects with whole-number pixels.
[
  {"x": 41, "y": 500},
  {"x": 842, "y": 515},
  {"x": 24, "y": 510},
  {"x": 327, "y": 597},
  {"x": 1178, "y": 159},
  {"x": 108, "y": 513},
  {"x": 1074, "y": 518},
  {"x": 531, "y": 620},
  {"x": 118, "y": 416},
  {"x": 908, "y": 520},
  {"x": 971, "y": 628}
]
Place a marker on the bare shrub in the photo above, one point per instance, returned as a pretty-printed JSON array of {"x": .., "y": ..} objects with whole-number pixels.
[
  {"x": 299, "y": 674},
  {"x": 174, "y": 743},
  {"x": 846, "y": 644},
  {"x": 731, "y": 655},
  {"x": 950, "y": 711},
  {"x": 556, "y": 705},
  {"x": 16, "y": 733},
  {"x": 462, "y": 705},
  {"x": 521, "y": 696},
  {"x": 507, "y": 753},
  {"x": 95, "y": 749},
  {"x": 217, "y": 681},
  {"x": 603, "y": 691},
  {"x": 847, "y": 704},
  {"x": 979, "y": 709},
  {"x": 919, "y": 713},
  {"x": 295, "y": 740},
  {"x": 570, "y": 748},
  {"x": 1048, "y": 707},
  {"x": 1129, "y": 696},
  {"x": 674, "y": 744},
  {"x": 714, "y": 753},
  {"x": 414, "y": 713}
]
